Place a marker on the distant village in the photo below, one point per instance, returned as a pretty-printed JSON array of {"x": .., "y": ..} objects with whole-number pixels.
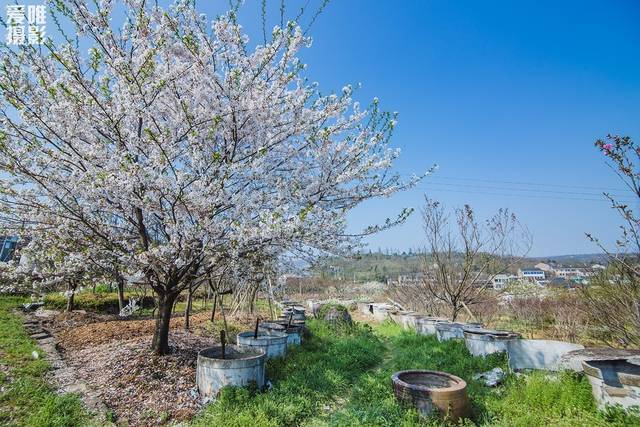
[{"x": 542, "y": 274}]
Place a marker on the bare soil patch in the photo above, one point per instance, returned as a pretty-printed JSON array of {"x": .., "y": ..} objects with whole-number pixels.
[{"x": 112, "y": 357}]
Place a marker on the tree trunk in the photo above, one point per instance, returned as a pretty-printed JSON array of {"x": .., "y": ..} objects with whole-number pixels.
[
  {"x": 160, "y": 342},
  {"x": 120, "y": 293},
  {"x": 456, "y": 311},
  {"x": 224, "y": 317},
  {"x": 252, "y": 300},
  {"x": 213, "y": 311},
  {"x": 270, "y": 296},
  {"x": 187, "y": 309},
  {"x": 70, "y": 300}
]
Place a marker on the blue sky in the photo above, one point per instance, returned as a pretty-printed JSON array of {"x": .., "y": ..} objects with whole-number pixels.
[{"x": 494, "y": 92}]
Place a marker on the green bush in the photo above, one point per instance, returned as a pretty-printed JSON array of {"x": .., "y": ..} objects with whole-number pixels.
[{"x": 324, "y": 309}]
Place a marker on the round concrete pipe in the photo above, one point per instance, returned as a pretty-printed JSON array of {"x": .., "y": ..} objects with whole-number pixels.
[
  {"x": 432, "y": 392},
  {"x": 296, "y": 317},
  {"x": 294, "y": 333},
  {"x": 446, "y": 331},
  {"x": 539, "y": 354},
  {"x": 240, "y": 367},
  {"x": 294, "y": 323},
  {"x": 381, "y": 311},
  {"x": 427, "y": 325},
  {"x": 294, "y": 313},
  {"x": 481, "y": 342},
  {"x": 294, "y": 309},
  {"x": 398, "y": 316},
  {"x": 290, "y": 303},
  {"x": 273, "y": 343},
  {"x": 365, "y": 307},
  {"x": 314, "y": 307},
  {"x": 409, "y": 320},
  {"x": 613, "y": 382}
]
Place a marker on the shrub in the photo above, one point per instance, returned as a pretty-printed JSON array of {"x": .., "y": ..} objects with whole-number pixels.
[{"x": 324, "y": 309}]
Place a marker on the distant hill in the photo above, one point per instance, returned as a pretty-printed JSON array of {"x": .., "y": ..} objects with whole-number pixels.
[
  {"x": 573, "y": 259},
  {"x": 379, "y": 266}
]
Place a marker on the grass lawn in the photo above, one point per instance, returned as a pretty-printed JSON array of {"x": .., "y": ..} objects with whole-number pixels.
[
  {"x": 25, "y": 397},
  {"x": 342, "y": 378}
]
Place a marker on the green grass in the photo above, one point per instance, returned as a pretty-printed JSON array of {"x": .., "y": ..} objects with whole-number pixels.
[
  {"x": 102, "y": 302},
  {"x": 306, "y": 384},
  {"x": 342, "y": 378},
  {"x": 25, "y": 397}
]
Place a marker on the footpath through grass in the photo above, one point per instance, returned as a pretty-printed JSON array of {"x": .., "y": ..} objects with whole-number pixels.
[
  {"x": 25, "y": 397},
  {"x": 342, "y": 378}
]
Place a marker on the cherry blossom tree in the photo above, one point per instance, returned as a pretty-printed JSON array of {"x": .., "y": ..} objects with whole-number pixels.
[
  {"x": 170, "y": 145},
  {"x": 613, "y": 297}
]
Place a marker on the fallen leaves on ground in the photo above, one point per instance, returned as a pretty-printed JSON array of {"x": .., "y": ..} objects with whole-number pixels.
[{"x": 112, "y": 356}]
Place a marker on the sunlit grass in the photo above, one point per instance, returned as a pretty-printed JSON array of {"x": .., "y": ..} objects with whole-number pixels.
[{"x": 26, "y": 399}]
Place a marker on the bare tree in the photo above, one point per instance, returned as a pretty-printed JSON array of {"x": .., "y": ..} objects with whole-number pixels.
[{"x": 464, "y": 255}]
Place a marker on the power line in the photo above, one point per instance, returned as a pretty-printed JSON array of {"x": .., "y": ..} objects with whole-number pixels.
[
  {"x": 533, "y": 196},
  {"x": 530, "y": 183},
  {"x": 530, "y": 190}
]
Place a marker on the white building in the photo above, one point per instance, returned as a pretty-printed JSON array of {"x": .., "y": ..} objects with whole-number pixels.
[
  {"x": 531, "y": 273},
  {"x": 500, "y": 281},
  {"x": 573, "y": 272}
]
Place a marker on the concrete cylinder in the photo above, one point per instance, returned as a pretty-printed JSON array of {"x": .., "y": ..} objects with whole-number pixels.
[
  {"x": 427, "y": 325},
  {"x": 613, "y": 382},
  {"x": 294, "y": 333},
  {"x": 409, "y": 320},
  {"x": 446, "y": 331},
  {"x": 295, "y": 312},
  {"x": 381, "y": 311},
  {"x": 274, "y": 343},
  {"x": 240, "y": 367},
  {"x": 482, "y": 342},
  {"x": 432, "y": 392},
  {"x": 314, "y": 306},
  {"x": 365, "y": 307},
  {"x": 538, "y": 354}
]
